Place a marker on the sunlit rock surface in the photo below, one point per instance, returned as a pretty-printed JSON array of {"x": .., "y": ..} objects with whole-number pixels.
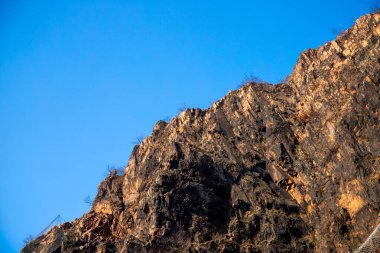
[{"x": 291, "y": 167}]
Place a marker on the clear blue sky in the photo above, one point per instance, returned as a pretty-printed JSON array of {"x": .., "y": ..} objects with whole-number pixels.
[{"x": 80, "y": 80}]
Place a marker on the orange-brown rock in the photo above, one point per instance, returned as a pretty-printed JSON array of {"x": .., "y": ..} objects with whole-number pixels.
[{"x": 268, "y": 168}]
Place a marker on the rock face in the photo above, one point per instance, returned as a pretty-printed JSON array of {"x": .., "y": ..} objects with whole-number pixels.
[{"x": 268, "y": 168}]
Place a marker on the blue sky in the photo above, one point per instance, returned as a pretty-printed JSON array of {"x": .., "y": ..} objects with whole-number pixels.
[{"x": 81, "y": 80}]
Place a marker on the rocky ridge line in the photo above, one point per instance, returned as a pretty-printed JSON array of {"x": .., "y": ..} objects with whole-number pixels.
[{"x": 285, "y": 168}]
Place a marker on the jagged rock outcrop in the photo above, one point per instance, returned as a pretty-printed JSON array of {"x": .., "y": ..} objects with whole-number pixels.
[{"x": 268, "y": 168}]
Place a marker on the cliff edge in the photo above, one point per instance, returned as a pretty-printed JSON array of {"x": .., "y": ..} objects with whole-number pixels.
[{"x": 292, "y": 167}]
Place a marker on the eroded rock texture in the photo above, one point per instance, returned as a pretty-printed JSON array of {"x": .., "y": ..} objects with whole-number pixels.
[{"x": 268, "y": 168}]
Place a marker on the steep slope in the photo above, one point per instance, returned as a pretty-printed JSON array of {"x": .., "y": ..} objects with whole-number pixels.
[{"x": 286, "y": 168}]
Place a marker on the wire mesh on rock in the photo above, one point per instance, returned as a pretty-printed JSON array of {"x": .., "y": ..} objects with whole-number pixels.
[{"x": 372, "y": 244}]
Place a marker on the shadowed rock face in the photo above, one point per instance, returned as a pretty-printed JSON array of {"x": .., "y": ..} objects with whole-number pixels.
[{"x": 268, "y": 168}]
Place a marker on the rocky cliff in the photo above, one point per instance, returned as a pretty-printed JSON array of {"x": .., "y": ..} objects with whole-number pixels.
[{"x": 292, "y": 167}]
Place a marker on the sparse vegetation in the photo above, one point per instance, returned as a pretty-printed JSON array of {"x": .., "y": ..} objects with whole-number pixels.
[
  {"x": 249, "y": 79},
  {"x": 28, "y": 238},
  {"x": 138, "y": 140},
  {"x": 119, "y": 170},
  {"x": 267, "y": 168},
  {"x": 182, "y": 108},
  {"x": 88, "y": 200},
  {"x": 337, "y": 31}
]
